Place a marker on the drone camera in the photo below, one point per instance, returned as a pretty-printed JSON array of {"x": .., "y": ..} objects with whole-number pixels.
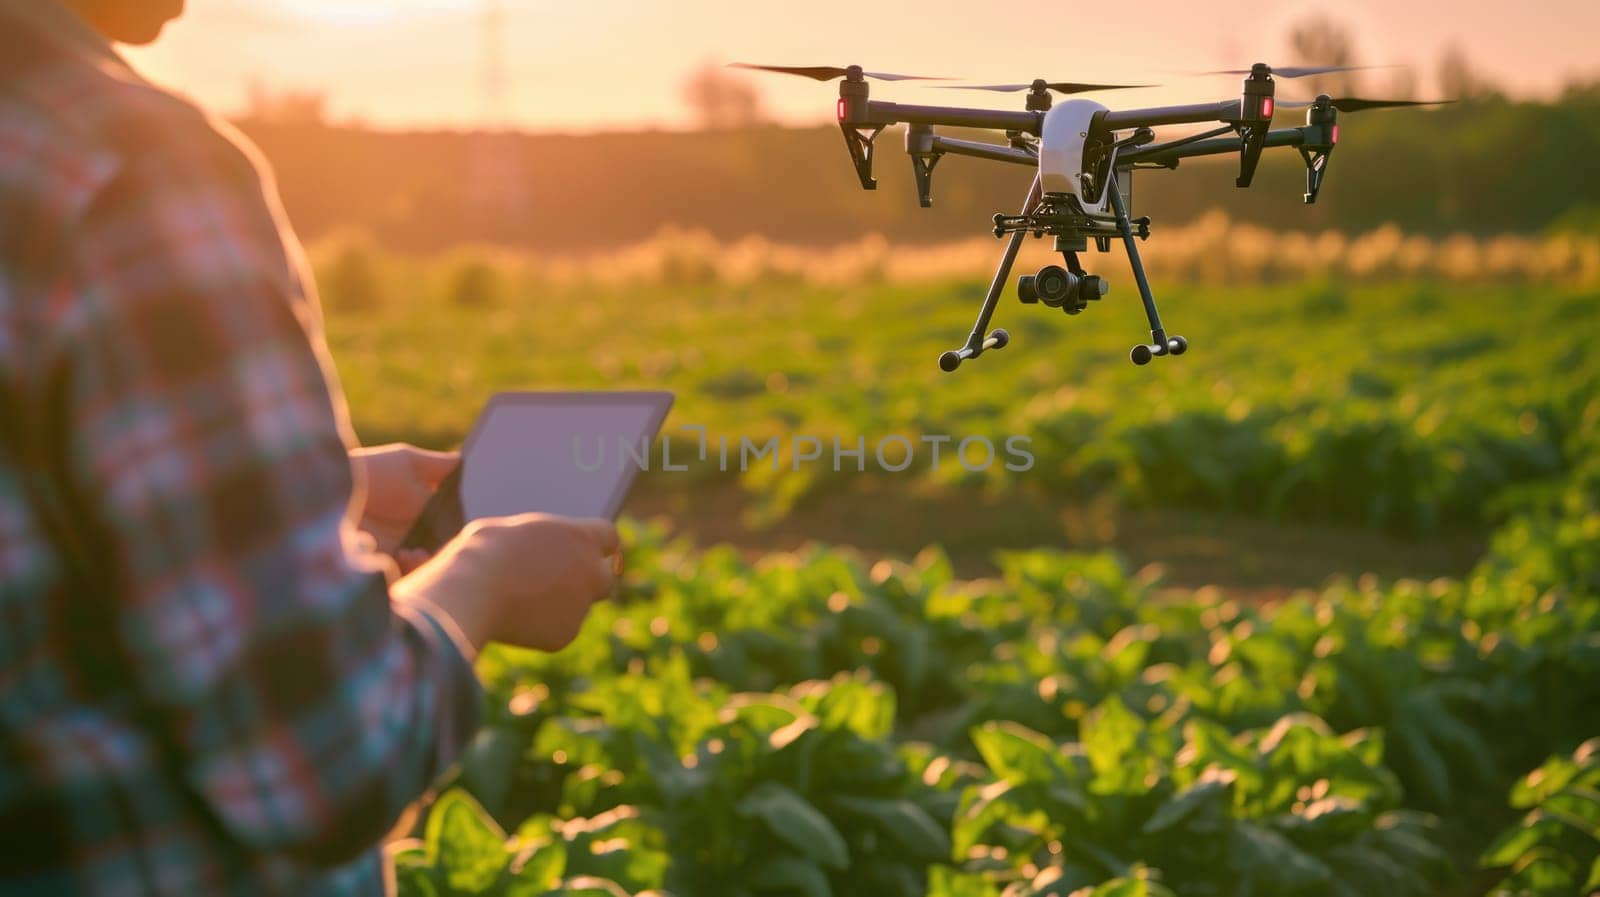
[
  {"x": 1056, "y": 287},
  {"x": 1052, "y": 285}
]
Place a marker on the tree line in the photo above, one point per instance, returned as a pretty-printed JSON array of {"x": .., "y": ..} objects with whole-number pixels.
[{"x": 1484, "y": 165}]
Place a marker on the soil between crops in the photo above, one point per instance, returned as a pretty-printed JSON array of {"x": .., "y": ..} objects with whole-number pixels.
[{"x": 1249, "y": 557}]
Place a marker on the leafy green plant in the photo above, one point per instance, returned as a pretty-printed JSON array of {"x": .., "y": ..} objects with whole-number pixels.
[
  {"x": 814, "y": 724},
  {"x": 464, "y": 852},
  {"x": 1293, "y": 809},
  {"x": 1555, "y": 848}
]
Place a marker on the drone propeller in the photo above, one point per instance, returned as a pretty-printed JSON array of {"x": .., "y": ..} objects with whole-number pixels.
[
  {"x": 1299, "y": 71},
  {"x": 1057, "y": 86},
  {"x": 1357, "y": 104},
  {"x": 829, "y": 72}
]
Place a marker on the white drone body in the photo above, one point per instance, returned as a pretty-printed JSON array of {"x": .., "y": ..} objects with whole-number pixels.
[{"x": 1061, "y": 151}]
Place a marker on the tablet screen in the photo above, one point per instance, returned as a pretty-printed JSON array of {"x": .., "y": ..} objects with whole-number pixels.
[
  {"x": 568, "y": 453},
  {"x": 573, "y": 454}
]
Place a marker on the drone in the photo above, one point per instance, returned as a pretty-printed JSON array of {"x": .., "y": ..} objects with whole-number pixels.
[{"x": 1085, "y": 154}]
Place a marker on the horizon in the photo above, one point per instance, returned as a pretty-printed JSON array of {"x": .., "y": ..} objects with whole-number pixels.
[{"x": 419, "y": 64}]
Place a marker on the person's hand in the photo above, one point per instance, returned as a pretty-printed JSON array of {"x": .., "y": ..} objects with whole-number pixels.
[
  {"x": 400, "y": 478},
  {"x": 526, "y": 580}
]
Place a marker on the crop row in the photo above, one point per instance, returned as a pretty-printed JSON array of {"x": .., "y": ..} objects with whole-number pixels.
[{"x": 1406, "y": 407}]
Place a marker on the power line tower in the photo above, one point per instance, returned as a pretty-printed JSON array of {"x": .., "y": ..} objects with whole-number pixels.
[
  {"x": 497, "y": 179},
  {"x": 495, "y": 86}
]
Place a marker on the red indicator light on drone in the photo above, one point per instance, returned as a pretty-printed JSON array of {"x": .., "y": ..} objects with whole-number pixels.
[
  {"x": 1335, "y": 134},
  {"x": 1266, "y": 107},
  {"x": 841, "y": 108}
]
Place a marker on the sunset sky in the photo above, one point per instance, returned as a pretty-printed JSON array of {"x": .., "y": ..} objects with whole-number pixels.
[{"x": 609, "y": 64}]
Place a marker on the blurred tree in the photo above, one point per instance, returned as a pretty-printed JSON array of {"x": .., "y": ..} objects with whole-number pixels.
[
  {"x": 1401, "y": 84},
  {"x": 350, "y": 278},
  {"x": 473, "y": 282},
  {"x": 1459, "y": 78},
  {"x": 1578, "y": 92},
  {"x": 1318, "y": 39},
  {"x": 1480, "y": 167},
  {"x": 721, "y": 100}
]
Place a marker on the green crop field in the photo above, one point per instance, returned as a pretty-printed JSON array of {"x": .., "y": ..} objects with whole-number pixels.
[
  {"x": 1051, "y": 721},
  {"x": 1402, "y": 408}
]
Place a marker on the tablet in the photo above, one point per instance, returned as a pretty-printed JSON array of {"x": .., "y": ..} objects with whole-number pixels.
[{"x": 575, "y": 454}]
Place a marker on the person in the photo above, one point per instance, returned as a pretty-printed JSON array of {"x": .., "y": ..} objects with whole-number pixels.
[{"x": 210, "y": 682}]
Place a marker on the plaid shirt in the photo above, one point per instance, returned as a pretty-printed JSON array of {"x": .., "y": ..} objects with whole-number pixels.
[{"x": 222, "y": 699}]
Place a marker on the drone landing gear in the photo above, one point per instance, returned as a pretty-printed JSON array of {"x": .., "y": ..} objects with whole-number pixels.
[
  {"x": 1316, "y": 166},
  {"x": 1160, "y": 343},
  {"x": 981, "y": 339},
  {"x": 997, "y": 339},
  {"x": 863, "y": 150},
  {"x": 1070, "y": 289}
]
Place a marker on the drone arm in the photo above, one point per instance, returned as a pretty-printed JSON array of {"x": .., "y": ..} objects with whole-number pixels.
[
  {"x": 1157, "y": 149},
  {"x": 978, "y": 150},
  {"x": 880, "y": 112},
  {"x": 862, "y": 120},
  {"x": 1224, "y": 111},
  {"x": 1212, "y": 147}
]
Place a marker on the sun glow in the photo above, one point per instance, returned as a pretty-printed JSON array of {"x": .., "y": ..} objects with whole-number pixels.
[
  {"x": 605, "y": 64},
  {"x": 368, "y": 12}
]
